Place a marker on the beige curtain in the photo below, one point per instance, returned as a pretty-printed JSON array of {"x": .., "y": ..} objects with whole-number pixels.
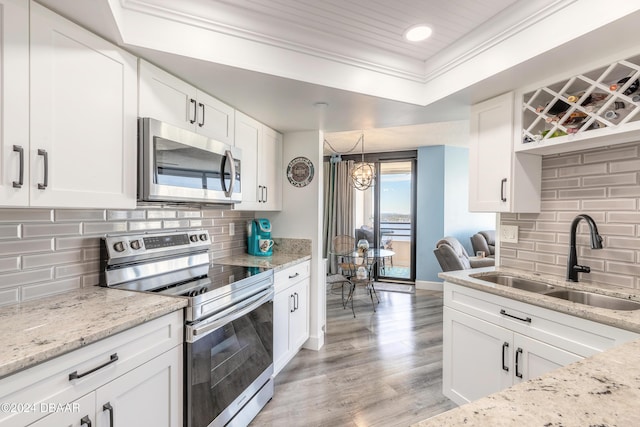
[{"x": 339, "y": 209}]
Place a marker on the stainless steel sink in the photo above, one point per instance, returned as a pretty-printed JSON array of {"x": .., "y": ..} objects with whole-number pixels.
[
  {"x": 517, "y": 282},
  {"x": 594, "y": 300}
]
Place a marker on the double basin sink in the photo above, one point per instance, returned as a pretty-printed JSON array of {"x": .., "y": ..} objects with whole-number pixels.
[{"x": 582, "y": 297}]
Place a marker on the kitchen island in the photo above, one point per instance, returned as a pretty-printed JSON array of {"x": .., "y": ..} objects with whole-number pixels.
[{"x": 600, "y": 390}]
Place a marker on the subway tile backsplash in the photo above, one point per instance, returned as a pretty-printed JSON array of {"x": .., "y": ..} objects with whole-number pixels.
[
  {"x": 602, "y": 183},
  {"x": 49, "y": 251}
]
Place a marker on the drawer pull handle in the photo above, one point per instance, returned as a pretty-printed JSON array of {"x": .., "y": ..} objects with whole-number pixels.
[
  {"x": 75, "y": 375},
  {"x": 504, "y": 313},
  {"x": 294, "y": 276},
  {"x": 505, "y": 346},
  {"x": 85, "y": 421},
  {"x": 518, "y": 353},
  {"x": 107, "y": 407}
]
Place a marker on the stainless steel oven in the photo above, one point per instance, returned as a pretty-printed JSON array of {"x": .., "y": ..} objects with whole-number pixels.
[
  {"x": 228, "y": 320},
  {"x": 177, "y": 165}
]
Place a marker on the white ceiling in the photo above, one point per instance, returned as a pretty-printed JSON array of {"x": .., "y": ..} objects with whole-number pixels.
[{"x": 275, "y": 59}]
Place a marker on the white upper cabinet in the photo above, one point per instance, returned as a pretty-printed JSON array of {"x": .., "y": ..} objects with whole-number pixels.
[
  {"x": 169, "y": 99},
  {"x": 261, "y": 164},
  {"x": 83, "y": 117},
  {"x": 14, "y": 112},
  {"x": 500, "y": 181}
]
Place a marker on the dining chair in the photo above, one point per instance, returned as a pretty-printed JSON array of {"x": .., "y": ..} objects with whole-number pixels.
[{"x": 341, "y": 247}]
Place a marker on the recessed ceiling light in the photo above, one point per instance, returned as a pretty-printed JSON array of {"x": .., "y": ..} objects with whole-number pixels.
[{"x": 417, "y": 33}]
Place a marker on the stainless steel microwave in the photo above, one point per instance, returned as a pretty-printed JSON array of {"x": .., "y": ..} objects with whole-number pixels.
[{"x": 177, "y": 165}]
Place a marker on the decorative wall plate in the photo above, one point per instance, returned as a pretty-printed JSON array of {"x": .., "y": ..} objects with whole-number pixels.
[{"x": 300, "y": 172}]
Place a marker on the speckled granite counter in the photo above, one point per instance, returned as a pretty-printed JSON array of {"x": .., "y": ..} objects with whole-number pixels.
[
  {"x": 278, "y": 261},
  {"x": 35, "y": 331},
  {"x": 629, "y": 320},
  {"x": 286, "y": 253},
  {"x": 602, "y": 390}
]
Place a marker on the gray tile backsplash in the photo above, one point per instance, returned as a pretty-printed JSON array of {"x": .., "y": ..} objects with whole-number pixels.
[
  {"x": 49, "y": 251},
  {"x": 602, "y": 183}
]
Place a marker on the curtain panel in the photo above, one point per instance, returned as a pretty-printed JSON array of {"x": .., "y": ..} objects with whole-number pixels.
[{"x": 339, "y": 209}]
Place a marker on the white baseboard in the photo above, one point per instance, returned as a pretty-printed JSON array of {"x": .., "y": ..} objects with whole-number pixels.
[
  {"x": 314, "y": 342},
  {"x": 428, "y": 286}
]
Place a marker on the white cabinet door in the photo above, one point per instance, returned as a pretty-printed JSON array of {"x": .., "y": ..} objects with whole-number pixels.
[
  {"x": 148, "y": 396},
  {"x": 169, "y": 99},
  {"x": 248, "y": 135},
  {"x": 473, "y": 355},
  {"x": 299, "y": 319},
  {"x": 270, "y": 168},
  {"x": 532, "y": 358},
  {"x": 490, "y": 154},
  {"x": 282, "y": 304},
  {"x": 499, "y": 180},
  {"x": 215, "y": 119},
  {"x": 165, "y": 97},
  {"x": 83, "y": 117},
  {"x": 14, "y": 110},
  {"x": 76, "y": 414}
]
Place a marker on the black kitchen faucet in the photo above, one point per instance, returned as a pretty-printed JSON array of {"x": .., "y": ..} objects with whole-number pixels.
[{"x": 596, "y": 243}]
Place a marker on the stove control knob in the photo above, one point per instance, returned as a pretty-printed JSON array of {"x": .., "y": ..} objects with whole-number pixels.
[
  {"x": 203, "y": 237},
  {"x": 119, "y": 246},
  {"x": 193, "y": 238},
  {"x": 135, "y": 244}
]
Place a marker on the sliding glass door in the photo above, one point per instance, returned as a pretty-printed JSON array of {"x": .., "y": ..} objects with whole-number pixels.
[{"x": 394, "y": 218}]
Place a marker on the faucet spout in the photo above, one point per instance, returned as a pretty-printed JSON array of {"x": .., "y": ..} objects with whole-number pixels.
[{"x": 596, "y": 243}]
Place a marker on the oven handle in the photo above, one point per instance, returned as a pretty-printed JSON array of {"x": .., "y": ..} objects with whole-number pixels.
[{"x": 215, "y": 322}]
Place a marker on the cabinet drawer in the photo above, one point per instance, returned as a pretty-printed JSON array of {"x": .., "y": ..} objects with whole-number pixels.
[
  {"x": 287, "y": 277},
  {"x": 580, "y": 336},
  {"x": 50, "y": 382}
]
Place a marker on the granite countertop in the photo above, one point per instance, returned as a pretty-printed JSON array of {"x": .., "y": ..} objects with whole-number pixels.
[
  {"x": 31, "y": 332},
  {"x": 278, "y": 261},
  {"x": 602, "y": 390},
  {"x": 629, "y": 320}
]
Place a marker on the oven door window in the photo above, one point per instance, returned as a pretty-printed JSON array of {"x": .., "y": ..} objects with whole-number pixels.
[
  {"x": 223, "y": 363},
  {"x": 181, "y": 165}
]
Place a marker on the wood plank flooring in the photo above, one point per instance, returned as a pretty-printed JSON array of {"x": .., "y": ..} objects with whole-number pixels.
[{"x": 379, "y": 369}]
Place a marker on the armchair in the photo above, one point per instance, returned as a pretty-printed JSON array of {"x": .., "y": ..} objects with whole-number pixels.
[
  {"x": 484, "y": 241},
  {"x": 452, "y": 256}
]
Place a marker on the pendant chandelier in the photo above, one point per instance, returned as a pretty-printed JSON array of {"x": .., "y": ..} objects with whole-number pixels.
[{"x": 363, "y": 174}]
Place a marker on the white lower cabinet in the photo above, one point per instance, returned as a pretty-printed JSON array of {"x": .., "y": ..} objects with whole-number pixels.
[
  {"x": 290, "y": 313},
  {"x": 131, "y": 378},
  {"x": 491, "y": 343},
  {"x": 486, "y": 358}
]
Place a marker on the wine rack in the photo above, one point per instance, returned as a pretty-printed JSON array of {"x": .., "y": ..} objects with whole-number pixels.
[{"x": 602, "y": 102}]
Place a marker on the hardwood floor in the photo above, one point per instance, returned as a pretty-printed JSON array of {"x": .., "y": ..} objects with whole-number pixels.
[{"x": 379, "y": 369}]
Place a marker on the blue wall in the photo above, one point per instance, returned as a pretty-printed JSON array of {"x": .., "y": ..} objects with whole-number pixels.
[{"x": 443, "y": 205}]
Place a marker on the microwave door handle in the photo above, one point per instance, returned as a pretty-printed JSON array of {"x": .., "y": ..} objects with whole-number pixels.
[{"x": 232, "y": 166}]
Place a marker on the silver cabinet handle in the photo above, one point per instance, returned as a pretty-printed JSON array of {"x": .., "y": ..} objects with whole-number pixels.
[
  {"x": 195, "y": 110},
  {"x": 502, "y": 185},
  {"x": 518, "y": 353},
  {"x": 201, "y": 123},
  {"x": 45, "y": 184},
  {"x": 293, "y": 276},
  {"x": 504, "y": 313},
  {"x": 18, "y": 149}
]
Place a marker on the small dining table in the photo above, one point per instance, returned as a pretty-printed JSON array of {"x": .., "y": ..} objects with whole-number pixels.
[{"x": 368, "y": 259}]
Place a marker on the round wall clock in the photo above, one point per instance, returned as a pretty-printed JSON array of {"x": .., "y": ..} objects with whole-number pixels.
[{"x": 300, "y": 172}]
